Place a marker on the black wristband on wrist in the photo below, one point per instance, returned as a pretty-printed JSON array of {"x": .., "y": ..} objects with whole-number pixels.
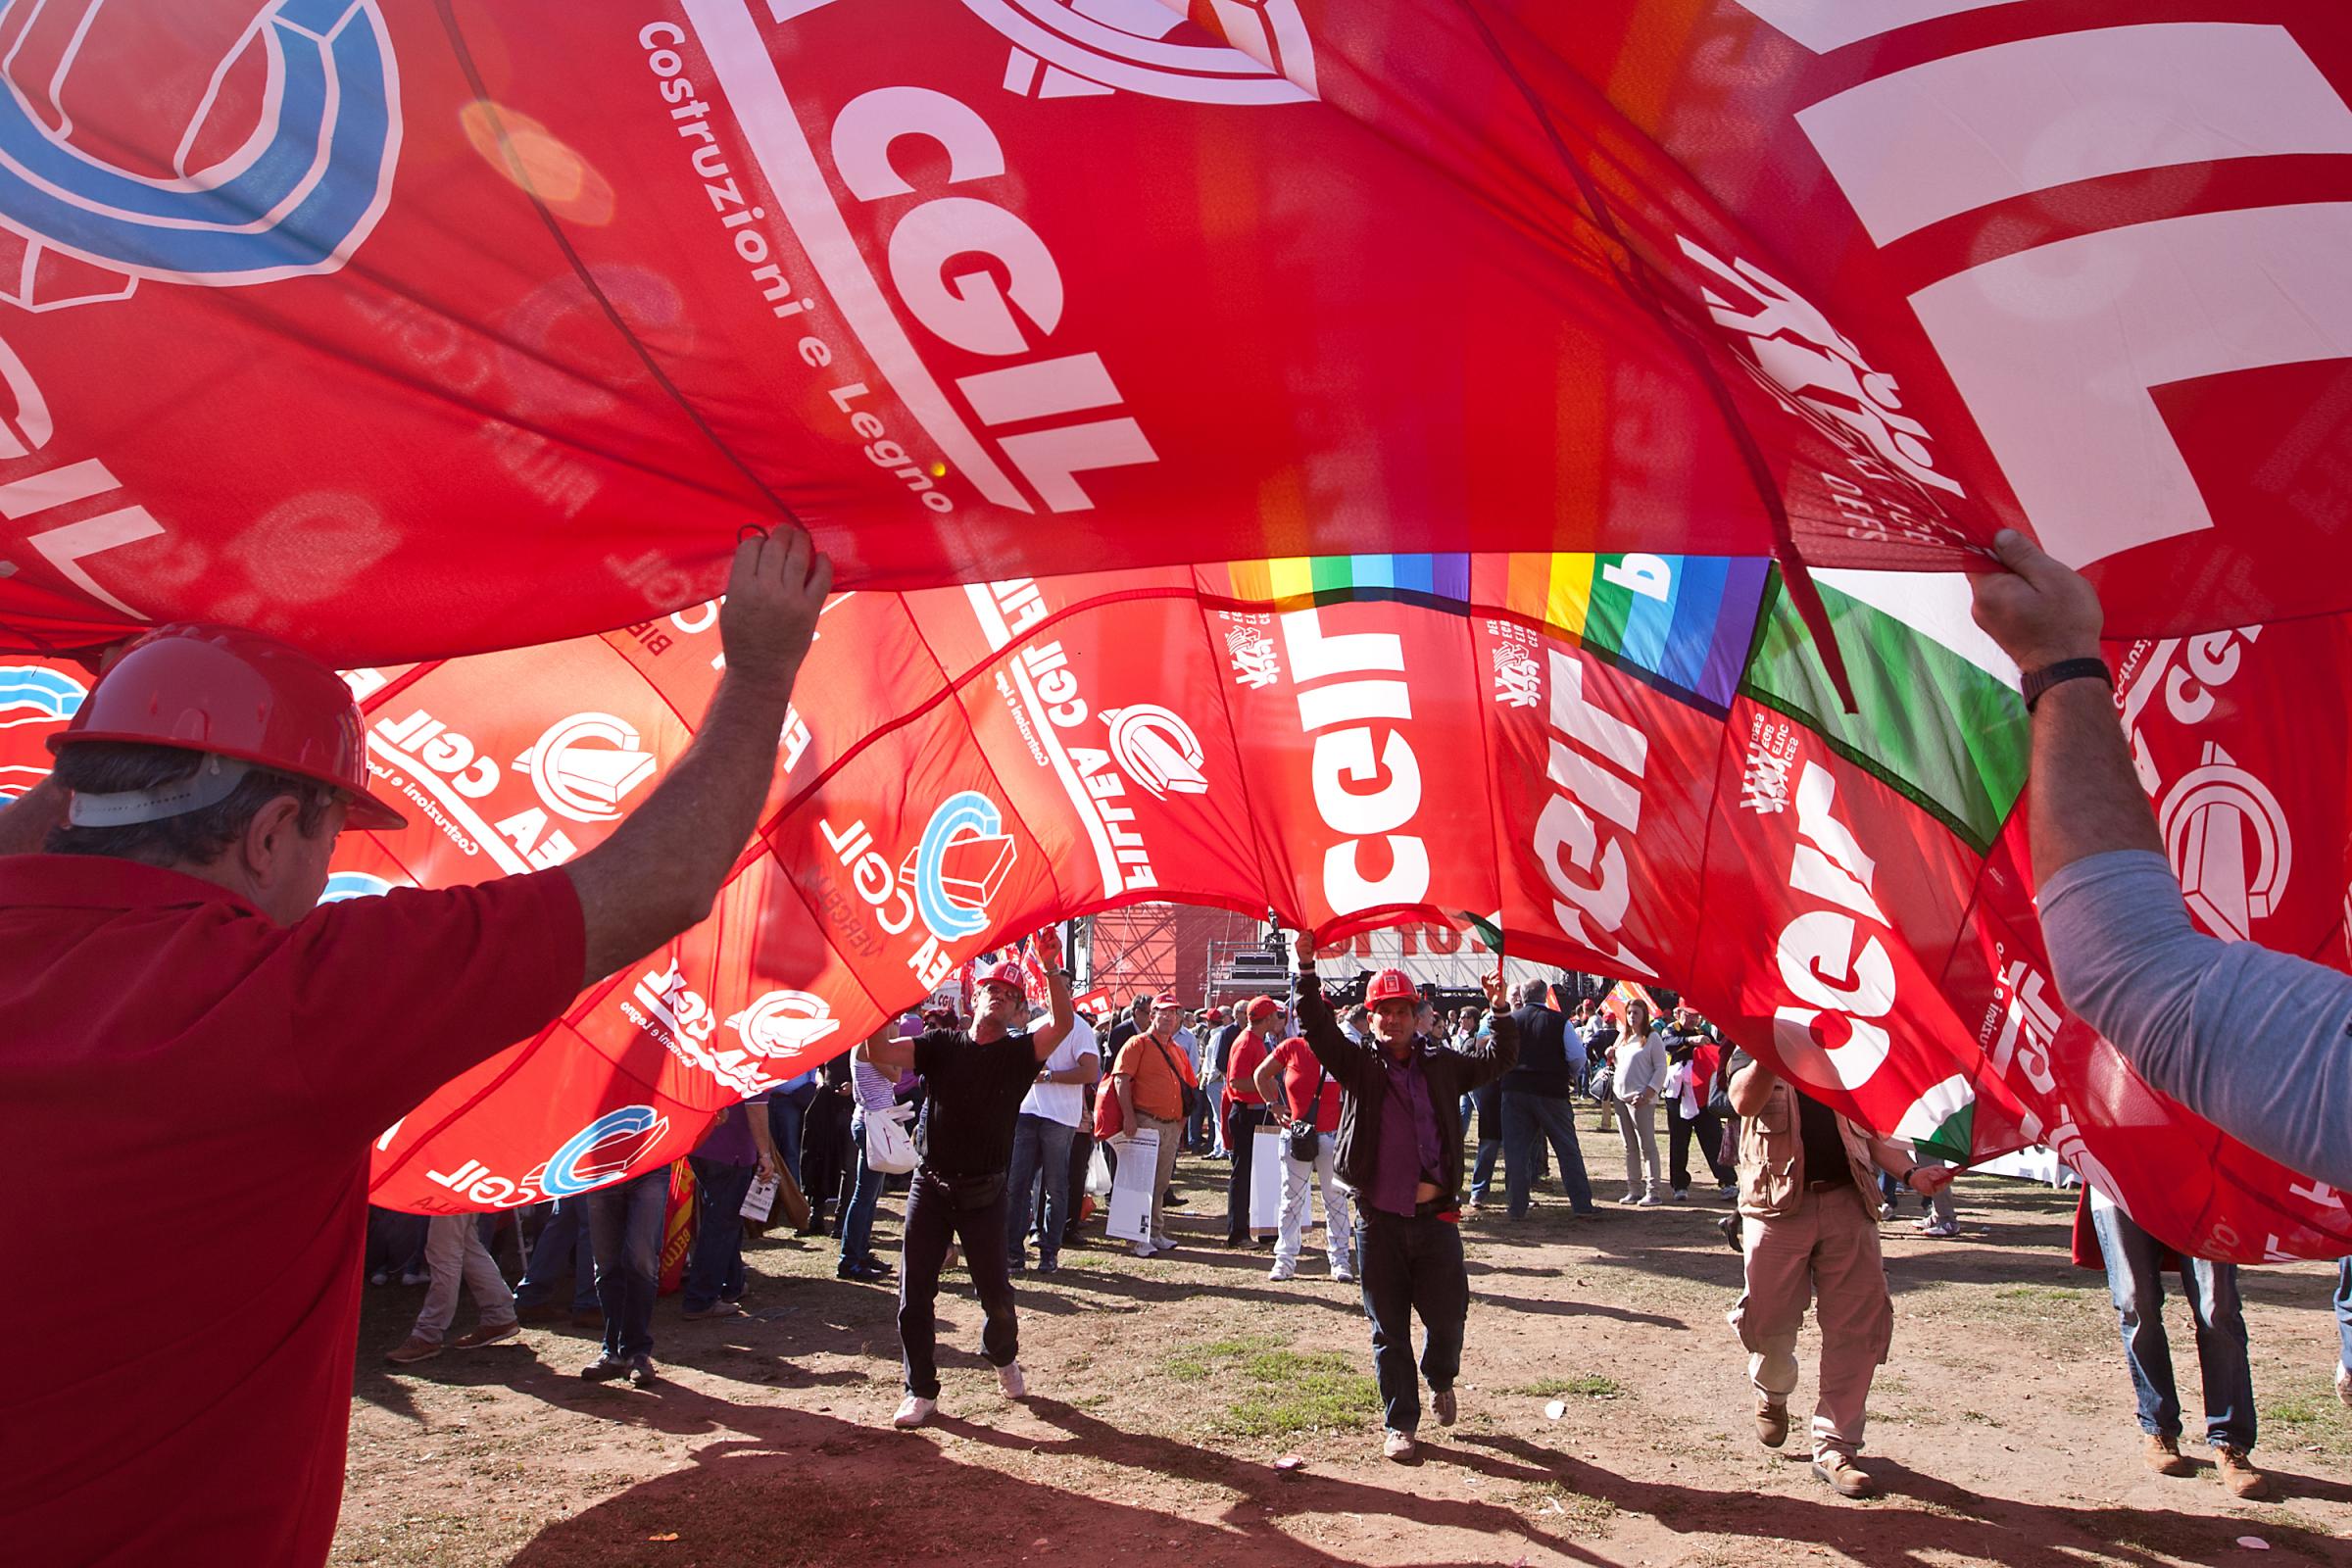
[{"x": 2040, "y": 680}]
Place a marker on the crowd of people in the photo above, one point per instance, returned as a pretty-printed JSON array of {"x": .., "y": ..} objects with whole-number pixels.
[
  {"x": 179, "y": 999},
  {"x": 1005, "y": 1107}
]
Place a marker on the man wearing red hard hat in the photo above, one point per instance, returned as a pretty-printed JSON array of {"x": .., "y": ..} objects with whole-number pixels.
[
  {"x": 973, "y": 1085},
  {"x": 1400, "y": 1149},
  {"x": 193, "y": 1039}
]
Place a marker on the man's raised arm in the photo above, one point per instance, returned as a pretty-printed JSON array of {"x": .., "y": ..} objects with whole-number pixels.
[
  {"x": 661, "y": 868},
  {"x": 1057, "y": 997},
  {"x": 2218, "y": 1026}
]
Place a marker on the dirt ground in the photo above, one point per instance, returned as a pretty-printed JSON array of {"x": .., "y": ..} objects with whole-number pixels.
[{"x": 1164, "y": 1392}]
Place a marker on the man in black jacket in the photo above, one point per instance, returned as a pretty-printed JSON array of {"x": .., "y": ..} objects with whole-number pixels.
[
  {"x": 1401, "y": 1149},
  {"x": 1536, "y": 1106}
]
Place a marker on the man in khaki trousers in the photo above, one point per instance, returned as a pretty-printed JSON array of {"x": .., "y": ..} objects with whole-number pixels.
[{"x": 1809, "y": 1228}]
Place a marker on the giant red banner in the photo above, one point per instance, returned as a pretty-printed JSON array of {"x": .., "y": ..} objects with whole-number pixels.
[
  {"x": 411, "y": 329},
  {"x": 1632, "y": 764}
]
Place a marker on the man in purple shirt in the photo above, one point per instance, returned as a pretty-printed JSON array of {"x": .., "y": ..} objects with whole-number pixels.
[
  {"x": 1401, "y": 1148},
  {"x": 739, "y": 1148}
]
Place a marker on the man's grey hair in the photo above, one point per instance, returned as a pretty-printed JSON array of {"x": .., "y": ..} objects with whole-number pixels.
[{"x": 1532, "y": 990}]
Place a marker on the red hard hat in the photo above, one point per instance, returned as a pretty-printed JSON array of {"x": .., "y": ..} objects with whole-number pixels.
[
  {"x": 237, "y": 693},
  {"x": 1005, "y": 972},
  {"x": 1390, "y": 985}
]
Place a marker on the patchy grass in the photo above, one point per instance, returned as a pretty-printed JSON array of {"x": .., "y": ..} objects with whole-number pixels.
[
  {"x": 2040, "y": 1293},
  {"x": 2306, "y": 1413},
  {"x": 1276, "y": 1391},
  {"x": 1554, "y": 1505},
  {"x": 1587, "y": 1386},
  {"x": 1193, "y": 1364},
  {"x": 1299, "y": 1392}
]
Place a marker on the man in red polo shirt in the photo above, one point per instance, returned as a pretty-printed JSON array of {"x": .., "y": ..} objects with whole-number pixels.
[
  {"x": 1303, "y": 1099},
  {"x": 190, "y": 1040},
  {"x": 1245, "y": 1114}
]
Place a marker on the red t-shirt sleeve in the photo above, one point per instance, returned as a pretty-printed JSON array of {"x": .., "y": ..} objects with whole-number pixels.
[{"x": 394, "y": 995}]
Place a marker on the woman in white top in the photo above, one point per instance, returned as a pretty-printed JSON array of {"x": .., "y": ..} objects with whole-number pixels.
[{"x": 1637, "y": 1071}]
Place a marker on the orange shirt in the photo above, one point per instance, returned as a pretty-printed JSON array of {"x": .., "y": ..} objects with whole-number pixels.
[{"x": 1157, "y": 1075}]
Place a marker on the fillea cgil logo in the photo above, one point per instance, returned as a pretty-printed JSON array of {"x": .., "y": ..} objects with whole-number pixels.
[
  {"x": 1157, "y": 749},
  {"x": 585, "y": 766},
  {"x": 784, "y": 1023},
  {"x": 599, "y": 1151},
  {"x": 292, "y": 193}
]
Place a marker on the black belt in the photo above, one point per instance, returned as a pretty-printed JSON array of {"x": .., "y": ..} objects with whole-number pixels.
[{"x": 1825, "y": 1186}]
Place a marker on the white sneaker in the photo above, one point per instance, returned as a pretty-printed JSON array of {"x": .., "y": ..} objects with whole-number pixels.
[
  {"x": 1631, "y": 1196},
  {"x": 1347, "y": 1276},
  {"x": 1283, "y": 1271},
  {"x": 1143, "y": 1250},
  {"x": 1009, "y": 1379},
  {"x": 1682, "y": 1195},
  {"x": 914, "y": 1411},
  {"x": 1648, "y": 1200}
]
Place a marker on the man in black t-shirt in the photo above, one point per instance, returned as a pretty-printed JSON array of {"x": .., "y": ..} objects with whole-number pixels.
[
  {"x": 973, "y": 1085},
  {"x": 1809, "y": 1215}
]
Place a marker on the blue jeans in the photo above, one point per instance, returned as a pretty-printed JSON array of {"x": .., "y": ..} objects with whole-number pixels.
[
  {"x": 624, "y": 1226},
  {"x": 715, "y": 1269},
  {"x": 787, "y": 1115},
  {"x": 395, "y": 1242},
  {"x": 1041, "y": 1146},
  {"x": 1408, "y": 1265},
  {"x": 562, "y": 1244},
  {"x": 858, "y": 1214},
  {"x": 2343, "y": 1306},
  {"x": 1529, "y": 1121},
  {"x": 2136, "y": 1286},
  {"x": 1485, "y": 1102}
]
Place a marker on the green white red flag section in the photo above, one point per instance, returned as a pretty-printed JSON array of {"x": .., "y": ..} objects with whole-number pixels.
[
  {"x": 413, "y": 330},
  {"x": 1627, "y": 764}
]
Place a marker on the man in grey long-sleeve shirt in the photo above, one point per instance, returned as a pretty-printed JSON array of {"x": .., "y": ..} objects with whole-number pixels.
[{"x": 2126, "y": 960}]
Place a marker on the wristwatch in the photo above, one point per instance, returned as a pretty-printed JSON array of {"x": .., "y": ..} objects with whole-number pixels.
[{"x": 2041, "y": 680}]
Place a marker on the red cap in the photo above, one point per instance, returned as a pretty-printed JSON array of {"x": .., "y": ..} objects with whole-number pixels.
[
  {"x": 1391, "y": 985},
  {"x": 1166, "y": 999},
  {"x": 1214, "y": 1015},
  {"x": 237, "y": 694},
  {"x": 1262, "y": 1007},
  {"x": 1004, "y": 972}
]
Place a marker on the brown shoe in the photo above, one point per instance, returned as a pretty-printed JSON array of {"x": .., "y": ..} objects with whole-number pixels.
[
  {"x": 2163, "y": 1454},
  {"x": 412, "y": 1351},
  {"x": 476, "y": 1338},
  {"x": 1839, "y": 1471},
  {"x": 1400, "y": 1446},
  {"x": 2238, "y": 1473},
  {"x": 1772, "y": 1424}
]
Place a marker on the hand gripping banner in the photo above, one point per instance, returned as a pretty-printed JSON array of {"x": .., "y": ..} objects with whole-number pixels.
[{"x": 405, "y": 331}]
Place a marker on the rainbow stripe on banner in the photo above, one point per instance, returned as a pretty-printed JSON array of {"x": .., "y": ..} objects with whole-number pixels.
[
  {"x": 1443, "y": 581},
  {"x": 1682, "y": 622}
]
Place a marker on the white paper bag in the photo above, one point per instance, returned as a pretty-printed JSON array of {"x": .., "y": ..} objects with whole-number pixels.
[
  {"x": 1131, "y": 1193},
  {"x": 1265, "y": 1180}
]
